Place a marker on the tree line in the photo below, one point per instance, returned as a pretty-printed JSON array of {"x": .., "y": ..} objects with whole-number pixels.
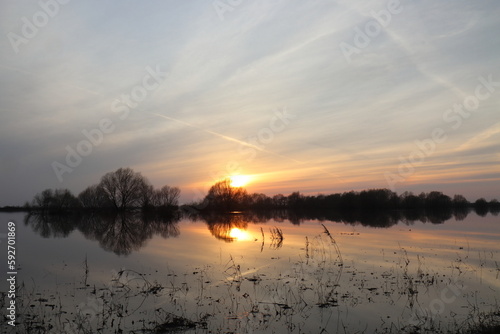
[
  {"x": 120, "y": 190},
  {"x": 221, "y": 196},
  {"x": 125, "y": 189}
]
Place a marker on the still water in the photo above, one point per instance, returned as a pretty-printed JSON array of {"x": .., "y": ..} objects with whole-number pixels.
[{"x": 246, "y": 274}]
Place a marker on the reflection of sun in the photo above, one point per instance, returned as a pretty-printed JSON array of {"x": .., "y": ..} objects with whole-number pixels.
[
  {"x": 238, "y": 234},
  {"x": 239, "y": 180}
]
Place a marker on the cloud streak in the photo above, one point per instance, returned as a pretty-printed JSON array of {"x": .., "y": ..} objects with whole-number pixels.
[{"x": 354, "y": 120}]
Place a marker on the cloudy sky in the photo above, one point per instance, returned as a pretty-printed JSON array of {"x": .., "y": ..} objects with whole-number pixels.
[{"x": 316, "y": 96}]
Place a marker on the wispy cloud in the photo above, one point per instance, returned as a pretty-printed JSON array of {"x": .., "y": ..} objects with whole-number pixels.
[
  {"x": 225, "y": 78},
  {"x": 480, "y": 138}
]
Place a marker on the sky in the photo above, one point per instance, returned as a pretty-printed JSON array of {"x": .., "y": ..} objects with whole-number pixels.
[{"x": 312, "y": 96}]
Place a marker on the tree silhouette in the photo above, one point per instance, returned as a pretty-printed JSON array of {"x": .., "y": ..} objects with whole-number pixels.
[
  {"x": 117, "y": 191},
  {"x": 481, "y": 207},
  {"x": 494, "y": 207},
  {"x": 222, "y": 196},
  {"x": 147, "y": 195},
  {"x": 166, "y": 197},
  {"x": 55, "y": 200},
  {"x": 123, "y": 188},
  {"x": 94, "y": 197}
]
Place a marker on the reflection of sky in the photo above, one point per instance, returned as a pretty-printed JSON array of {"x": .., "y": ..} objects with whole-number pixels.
[
  {"x": 196, "y": 245},
  {"x": 353, "y": 121},
  {"x": 367, "y": 253}
]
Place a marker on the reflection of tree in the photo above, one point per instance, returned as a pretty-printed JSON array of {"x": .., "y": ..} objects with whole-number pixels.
[
  {"x": 439, "y": 216},
  {"x": 120, "y": 233},
  {"x": 378, "y": 218},
  {"x": 460, "y": 213},
  {"x": 51, "y": 225},
  {"x": 162, "y": 222},
  {"x": 220, "y": 225},
  {"x": 125, "y": 232}
]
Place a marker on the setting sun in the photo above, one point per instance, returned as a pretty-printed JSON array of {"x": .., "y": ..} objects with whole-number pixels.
[{"x": 240, "y": 180}]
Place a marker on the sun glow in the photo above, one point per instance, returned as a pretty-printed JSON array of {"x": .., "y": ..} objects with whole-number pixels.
[
  {"x": 238, "y": 234},
  {"x": 240, "y": 180}
]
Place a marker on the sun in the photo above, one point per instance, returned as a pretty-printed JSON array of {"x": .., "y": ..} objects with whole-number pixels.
[{"x": 240, "y": 180}]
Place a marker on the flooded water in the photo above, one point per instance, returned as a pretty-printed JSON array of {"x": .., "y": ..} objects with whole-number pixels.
[{"x": 240, "y": 274}]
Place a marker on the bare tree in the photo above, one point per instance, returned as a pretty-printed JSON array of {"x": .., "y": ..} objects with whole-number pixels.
[
  {"x": 124, "y": 188},
  {"x": 55, "y": 200},
  {"x": 280, "y": 200},
  {"x": 43, "y": 200},
  {"x": 64, "y": 199},
  {"x": 147, "y": 196},
  {"x": 167, "y": 196},
  {"x": 94, "y": 197},
  {"x": 222, "y": 196}
]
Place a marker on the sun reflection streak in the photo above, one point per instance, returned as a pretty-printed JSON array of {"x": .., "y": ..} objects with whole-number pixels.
[{"x": 238, "y": 234}]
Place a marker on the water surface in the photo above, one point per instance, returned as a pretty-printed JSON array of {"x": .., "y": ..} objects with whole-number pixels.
[{"x": 235, "y": 274}]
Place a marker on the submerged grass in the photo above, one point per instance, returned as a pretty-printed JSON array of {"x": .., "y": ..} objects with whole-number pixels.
[{"x": 277, "y": 237}]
